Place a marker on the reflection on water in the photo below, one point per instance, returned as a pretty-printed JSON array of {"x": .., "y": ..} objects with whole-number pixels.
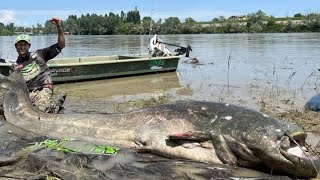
[
  {"x": 122, "y": 86},
  {"x": 119, "y": 94}
]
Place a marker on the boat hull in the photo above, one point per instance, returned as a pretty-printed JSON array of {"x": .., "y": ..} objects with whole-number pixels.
[{"x": 98, "y": 67}]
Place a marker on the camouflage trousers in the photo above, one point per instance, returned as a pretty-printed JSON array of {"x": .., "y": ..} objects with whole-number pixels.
[
  {"x": 158, "y": 53},
  {"x": 43, "y": 100}
]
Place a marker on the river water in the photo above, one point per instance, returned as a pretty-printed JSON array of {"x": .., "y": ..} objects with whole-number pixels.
[
  {"x": 244, "y": 69},
  {"x": 232, "y": 67}
]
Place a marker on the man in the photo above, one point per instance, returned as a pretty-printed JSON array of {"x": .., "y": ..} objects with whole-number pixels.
[
  {"x": 157, "y": 48},
  {"x": 34, "y": 68}
]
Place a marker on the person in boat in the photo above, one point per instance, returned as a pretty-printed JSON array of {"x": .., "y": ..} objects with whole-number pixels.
[
  {"x": 157, "y": 48},
  {"x": 35, "y": 71}
]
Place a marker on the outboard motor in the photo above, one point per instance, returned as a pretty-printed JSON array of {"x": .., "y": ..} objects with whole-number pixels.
[
  {"x": 183, "y": 50},
  {"x": 188, "y": 50}
]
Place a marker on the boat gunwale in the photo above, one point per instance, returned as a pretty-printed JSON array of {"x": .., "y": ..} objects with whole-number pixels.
[
  {"x": 55, "y": 62},
  {"x": 136, "y": 58},
  {"x": 107, "y": 75}
]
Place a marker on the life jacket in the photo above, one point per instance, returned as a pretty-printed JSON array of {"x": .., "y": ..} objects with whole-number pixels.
[{"x": 31, "y": 70}]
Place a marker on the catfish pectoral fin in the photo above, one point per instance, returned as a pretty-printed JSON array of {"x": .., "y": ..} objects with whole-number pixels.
[
  {"x": 223, "y": 151},
  {"x": 190, "y": 135}
]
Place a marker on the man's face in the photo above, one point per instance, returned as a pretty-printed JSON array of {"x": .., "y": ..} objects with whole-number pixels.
[{"x": 22, "y": 48}]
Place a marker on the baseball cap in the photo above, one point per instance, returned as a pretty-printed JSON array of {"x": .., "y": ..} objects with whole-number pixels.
[{"x": 23, "y": 37}]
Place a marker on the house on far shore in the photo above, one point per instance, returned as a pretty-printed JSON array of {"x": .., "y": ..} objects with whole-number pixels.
[
  {"x": 238, "y": 17},
  {"x": 18, "y": 33}
]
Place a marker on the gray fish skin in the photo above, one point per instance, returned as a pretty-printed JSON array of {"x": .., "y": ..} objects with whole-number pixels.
[{"x": 238, "y": 135}]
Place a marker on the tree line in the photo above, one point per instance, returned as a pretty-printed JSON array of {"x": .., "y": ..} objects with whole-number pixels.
[{"x": 131, "y": 23}]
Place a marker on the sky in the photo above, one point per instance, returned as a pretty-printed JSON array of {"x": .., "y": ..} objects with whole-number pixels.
[{"x": 31, "y": 12}]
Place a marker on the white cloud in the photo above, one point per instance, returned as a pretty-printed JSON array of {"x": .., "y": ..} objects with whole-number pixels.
[
  {"x": 7, "y": 16},
  {"x": 32, "y": 17}
]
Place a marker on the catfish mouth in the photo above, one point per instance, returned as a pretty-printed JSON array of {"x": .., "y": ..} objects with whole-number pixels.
[
  {"x": 293, "y": 149},
  {"x": 294, "y": 145}
]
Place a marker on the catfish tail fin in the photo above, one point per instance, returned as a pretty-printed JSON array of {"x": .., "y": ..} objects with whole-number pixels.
[{"x": 13, "y": 82}]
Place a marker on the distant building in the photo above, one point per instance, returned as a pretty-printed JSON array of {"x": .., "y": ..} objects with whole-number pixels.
[
  {"x": 18, "y": 33},
  {"x": 238, "y": 17}
]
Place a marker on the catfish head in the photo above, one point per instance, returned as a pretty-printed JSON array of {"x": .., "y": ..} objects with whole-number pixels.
[{"x": 259, "y": 141}]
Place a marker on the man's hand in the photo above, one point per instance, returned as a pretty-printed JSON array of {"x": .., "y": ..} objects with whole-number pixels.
[
  {"x": 61, "y": 41},
  {"x": 56, "y": 21}
]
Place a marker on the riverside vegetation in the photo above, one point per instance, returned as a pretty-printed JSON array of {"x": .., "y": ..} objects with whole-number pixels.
[{"x": 131, "y": 23}]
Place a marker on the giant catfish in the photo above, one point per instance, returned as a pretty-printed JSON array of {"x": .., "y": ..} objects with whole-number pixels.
[{"x": 236, "y": 135}]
